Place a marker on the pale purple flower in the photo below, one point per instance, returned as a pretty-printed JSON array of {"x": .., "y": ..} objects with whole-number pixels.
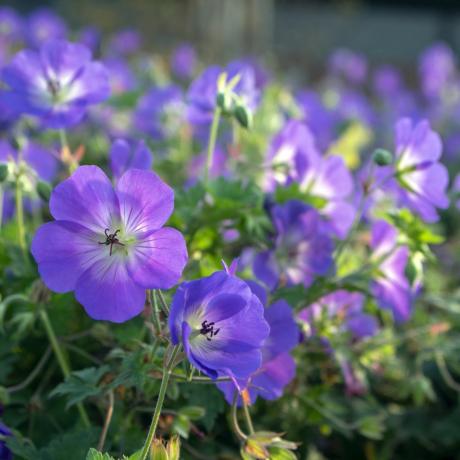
[
  {"x": 302, "y": 247},
  {"x": 11, "y": 25},
  {"x": 121, "y": 76},
  {"x": 184, "y": 61},
  {"x": 124, "y": 42},
  {"x": 108, "y": 245},
  {"x": 390, "y": 287},
  {"x": 349, "y": 64},
  {"x": 421, "y": 180},
  {"x": 123, "y": 157},
  {"x": 44, "y": 25},
  {"x": 55, "y": 84},
  {"x": 160, "y": 112}
]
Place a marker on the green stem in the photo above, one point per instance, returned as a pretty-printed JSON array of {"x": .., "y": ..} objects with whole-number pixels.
[
  {"x": 234, "y": 418},
  {"x": 63, "y": 139},
  {"x": 247, "y": 415},
  {"x": 65, "y": 368},
  {"x": 167, "y": 371},
  {"x": 212, "y": 141},
  {"x": 155, "y": 312},
  {"x": 163, "y": 304},
  {"x": 20, "y": 217}
]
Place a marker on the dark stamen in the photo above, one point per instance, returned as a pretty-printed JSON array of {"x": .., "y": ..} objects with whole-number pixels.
[
  {"x": 207, "y": 329},
  {"x": 111, "y": 239}
]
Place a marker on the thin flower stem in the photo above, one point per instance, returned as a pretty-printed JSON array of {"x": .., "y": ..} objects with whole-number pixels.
[
  {"x": 65, "y": 368},
  {"x": 212, "y": 141},
  {"x": 63, "y": 139},
  {"x": 31, "y": 377},
  {"x": 167, "y": 371},
  {"x": 155, "y": 312},
  {"x": 107, "y": 420},
  {"x": 20, "y": 216},
  {"x": 234, "y": 418},
  {"x": 163, "y": 304},
  {"x": 1, "y": 205},
  {"x": 247, "y": 416}
]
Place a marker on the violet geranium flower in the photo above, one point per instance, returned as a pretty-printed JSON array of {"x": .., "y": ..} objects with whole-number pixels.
[
  {"x": 221, "y": 325},
  {"x": 124, "y": 157},
  {"x": 110, "y": 245},
  {"x": 302, "y": 247},
  {"x": 278, "y": 366},
  {"x": 421, "y": 179},
  {"x": 55, "y": 84},
  {"x": 44, "y": 25},
  {"x": 159, "y": 112},
  {"x": 390, "y": 287}
]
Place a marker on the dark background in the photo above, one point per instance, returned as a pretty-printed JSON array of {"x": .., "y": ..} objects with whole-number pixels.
[{"x": 295, "y": 32}]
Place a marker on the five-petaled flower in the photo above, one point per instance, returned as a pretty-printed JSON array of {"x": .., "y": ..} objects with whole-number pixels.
[
  {"x": 55, "y": 84},
  {"x": 109, "y": 245},
  {"x": 221, "y": 325}
]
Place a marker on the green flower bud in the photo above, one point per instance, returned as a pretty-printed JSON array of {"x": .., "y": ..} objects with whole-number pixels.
[
  {"x": 44, "y": 190},
  {"x": 243, "y": 115},
  {"x": 173, "y": 448},
  {"x": 382, "y": 157},
  {"x": 223, "y": 101},
  {"x": 158, "y": 450},
  {"x": 3, "y": 172}
]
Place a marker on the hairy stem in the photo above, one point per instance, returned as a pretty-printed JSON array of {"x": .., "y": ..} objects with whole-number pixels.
[
  {"x": 20, "y": 216},
  {"x": 167, "y": 371},
  {"x": 212, "y": 141}
]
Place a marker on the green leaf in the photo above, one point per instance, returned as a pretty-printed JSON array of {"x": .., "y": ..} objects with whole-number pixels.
[
  {"x": 94, "y": 454},
  {"x": 278, "y": 453},
  {"x": 193, "y": 412},
  {"x": 81, "y": 385}
]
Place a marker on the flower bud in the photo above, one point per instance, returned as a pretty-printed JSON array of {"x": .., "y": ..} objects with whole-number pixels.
[
  {"x": 173, "y": 448},
  {"x": 382, "y": 157},
  {"x": 158, "y": 450},
  {"x": 44, "y": 190},
  {"x": 3, "y": 172},
  {"x": 243, "y": 115},
  {"x": 223, "y": 101}
]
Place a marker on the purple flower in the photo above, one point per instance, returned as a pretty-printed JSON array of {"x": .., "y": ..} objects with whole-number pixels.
[
  {"x": 11, "y": 25},
  {"x": 278, "y": 367},
  {"x": 290, "y": 154},
  {"x": 349, "y": 64},
  {"x": 420, "y": 179},
  {"x": 184, "y": 61},
  {"x": 124, "y": 157},
  {"x": 34, "y": 162},
  {"x": 110, "y": 245},
  {"x": 56, "y": 84},
  {"x": 294, "y": 158},
  {"x": 302, "y": 247},
  {"x": 126, "y": 41},
  {"x": 121, "y": 76},
  {"x": 390, "y": 287},
  {"x": 436, "y": 69},
  {"x": 91, "y": 38},
  {"x": 221, "y": 325},
  {"x": 5, "y": 453},
  {"x": 45, "y": 25},
  {"x": 159, "y": 112},
  {"x": 321, "y": 120},
  {"x": 387, "y": 81},
  {"x": 347, "y": 307}
]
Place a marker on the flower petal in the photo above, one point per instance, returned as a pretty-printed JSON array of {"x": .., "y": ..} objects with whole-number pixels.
[
  {"x": 158, "y": 260},
  {"x": 107, "y": 292},
  {"x": 146, "y": 202},
  {"x": 87, "y": 198},
  {"x": 63, "y": 251}
]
